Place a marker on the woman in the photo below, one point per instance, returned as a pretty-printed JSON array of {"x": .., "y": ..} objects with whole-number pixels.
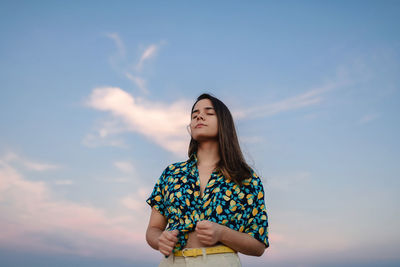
[{"x": 213, "y": 203}]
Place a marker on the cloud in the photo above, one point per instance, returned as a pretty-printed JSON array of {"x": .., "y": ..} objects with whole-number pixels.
[
  {"x": 36, "y": 220},
  {"x": 116, "y": 60},
  {"x": 105, "y": 133},
  {"x": 163, "y": 124},
  {"x": 287, "y": 182},
  {"x": 124, "y": 166},
  {"x": 306, "y": 99},
  {"x": 136, "y": 202},
  {"x": 148, "y": 53},
  {"x": 135, "y": 77},
  {"x": 153, "y": 120},
  {"x": 92, "y": 140},
  {"x": 310, "y": 116},
  {"x": 140, "y": 82},
  {"x": 166, "y": 124},
  {"x": 63, "y": 182},
  {"x": 115, "y": 179},
  {"x": 314, "y": 96},
  {"x": 368, "y": 118},
  {"x": 28, "y": 164},
  {"x": 119, "y": 61},
  {"x": 118, "y": 42},
  {"x": 252, "y": 139},
  {"x": 39, "y": 166}
]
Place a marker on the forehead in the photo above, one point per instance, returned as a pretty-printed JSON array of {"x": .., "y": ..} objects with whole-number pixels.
[{"x": 203, "y": 103}]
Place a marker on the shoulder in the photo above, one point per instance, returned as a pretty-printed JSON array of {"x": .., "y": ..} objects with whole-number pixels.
[
  {"x": 177, "y": 165},
  {"x": 175, "y": 168},
  {"x": 253, "y": 184}
]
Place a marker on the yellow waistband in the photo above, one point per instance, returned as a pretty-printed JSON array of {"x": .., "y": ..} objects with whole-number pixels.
[{"x": 193, "y": 252}]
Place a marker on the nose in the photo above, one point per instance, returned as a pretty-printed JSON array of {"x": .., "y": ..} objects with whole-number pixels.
[{"x": 200, "y": 115}]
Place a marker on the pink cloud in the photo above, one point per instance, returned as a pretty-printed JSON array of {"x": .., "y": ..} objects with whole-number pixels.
[
  {"x": 33, "y": 218},
  {"x": 163, "y": 124}
]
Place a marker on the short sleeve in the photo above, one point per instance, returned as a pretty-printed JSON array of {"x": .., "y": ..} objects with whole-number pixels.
[
  {"x": 156, "y": 198},
  {"x": 257, "y": 219}
]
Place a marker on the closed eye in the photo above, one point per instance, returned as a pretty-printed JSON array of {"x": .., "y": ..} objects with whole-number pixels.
[{"x": 194, "y": 117}]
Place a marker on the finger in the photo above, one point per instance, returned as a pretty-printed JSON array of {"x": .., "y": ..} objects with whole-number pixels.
[
  {"x": 164, "y": 252},
  {"x": 202, "y": 227},
  {"x": 172, "y": 235},
  {"x": 167, "y": 235},
  {"x": 166, "y": 249},
  {"x": 204, "y": 232},
  {"x": 203, "y": 237},
  {"x": 202, "y": 224},
  {"x": 170, "y": 243},
  {"x": 167, "y": 242},
  {"x": 174, "y": 232},
  {"x": 205, "y": 225},
  {"x": 171, "y": 238},
  {"x": 164, "y": 237}
]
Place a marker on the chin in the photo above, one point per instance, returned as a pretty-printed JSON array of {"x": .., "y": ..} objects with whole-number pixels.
[{"x": 200, "y": 138}]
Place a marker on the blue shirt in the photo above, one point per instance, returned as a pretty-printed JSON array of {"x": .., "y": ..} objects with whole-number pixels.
[{"x": 176, "y": 195}]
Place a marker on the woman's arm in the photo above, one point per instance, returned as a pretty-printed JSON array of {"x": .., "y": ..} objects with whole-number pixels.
[
  {"x": 157, "y": 237},
  {"x": 210, "y": 233}
]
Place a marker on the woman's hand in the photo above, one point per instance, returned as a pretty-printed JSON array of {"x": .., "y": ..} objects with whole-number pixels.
[
  {"x": 208, "y": 232},
  {"x": 167, "y": 241}
]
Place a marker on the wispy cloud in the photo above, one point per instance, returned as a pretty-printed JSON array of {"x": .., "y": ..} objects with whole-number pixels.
[
  {"x": 164, "y": 124},
  {"x": 118, "y": 42},
  {"x": 116, "y": 59},
  {"x": 368, "y": 118},
  {"x": 306, "y": 99},
  {"x": 136, "y": 202},
  {"x": 290, "y": 181},
  {"x": 252, "y": 139},
  {"x": 119, "y": 61},
  {"x": 311, "y": 97},
  {"x": 94, "y": 140},
  {"x": 151, "y": 119},
  {"x": 140, "y": 82},
  {"x": 36, "y": 166},
  {"x": 106, "y": 133},
  {"x": 63, "y": 182},
  {"x": 148, "y": 53},
  {"x": 154, "y": 119},
  {"x": 124, "y": 166},
  {"x": 29, "y": 164}
]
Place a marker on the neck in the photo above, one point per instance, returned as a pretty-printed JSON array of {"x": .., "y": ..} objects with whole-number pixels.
[{"x": 208, "y": 153}]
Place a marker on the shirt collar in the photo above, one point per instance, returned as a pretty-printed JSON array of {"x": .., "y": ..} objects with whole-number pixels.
[{"x": 192, "y": 164}]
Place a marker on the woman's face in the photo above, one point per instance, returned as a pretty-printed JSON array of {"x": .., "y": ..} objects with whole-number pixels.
[{"x": 204, "y": 122}]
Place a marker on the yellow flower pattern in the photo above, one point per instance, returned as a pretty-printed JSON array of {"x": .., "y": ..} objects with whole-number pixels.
[{"x": 176, "y": 195}]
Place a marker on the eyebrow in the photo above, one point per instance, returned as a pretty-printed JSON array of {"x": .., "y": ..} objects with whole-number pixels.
[{"x": 207, "y": 108}]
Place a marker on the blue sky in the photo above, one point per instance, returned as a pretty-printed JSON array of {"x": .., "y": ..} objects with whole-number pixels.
[{"x": 95, "y": 98}]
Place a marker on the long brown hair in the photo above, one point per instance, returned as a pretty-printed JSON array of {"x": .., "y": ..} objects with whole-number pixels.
[{"x": 232, "y": 163}]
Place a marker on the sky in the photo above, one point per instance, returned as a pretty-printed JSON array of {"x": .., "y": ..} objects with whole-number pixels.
[{"x": 95, "y": 98}]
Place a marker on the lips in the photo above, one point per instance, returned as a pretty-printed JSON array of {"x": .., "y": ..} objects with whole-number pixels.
[{"x": 200, "y": 125}]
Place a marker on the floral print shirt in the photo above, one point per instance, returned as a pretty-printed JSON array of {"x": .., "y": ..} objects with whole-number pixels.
[{"x": 176, "y": 195}]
